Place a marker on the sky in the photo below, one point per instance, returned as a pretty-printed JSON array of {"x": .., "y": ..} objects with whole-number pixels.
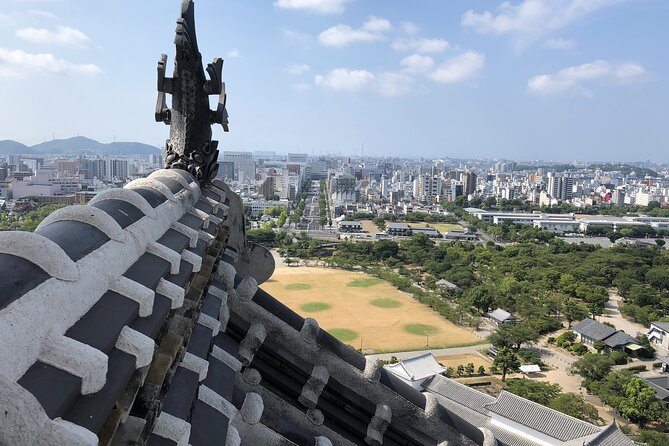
[{"x": 521, "y": 79}]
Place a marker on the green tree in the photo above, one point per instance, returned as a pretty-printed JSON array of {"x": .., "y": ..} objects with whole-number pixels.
[
  {"x": 506, "y": 361},
  {"x": 513, "y": 335},
  {"x": 469, "y": 369},
  {"x": 652, "y": 438},
  {"x": 537, "y": 391},
  {"x": 599, "y": 346},
  {"x": 575, "y": 406},
  {"x": 480, "y": 297},
  {"x": 640, "y": 403},
  {"x": 574, "y": 311},
  {"x": 592, "y": 367}
]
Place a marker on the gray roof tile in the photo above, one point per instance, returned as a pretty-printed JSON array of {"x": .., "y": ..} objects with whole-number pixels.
[
  {"x": 540, "y": 418},
  {"x": 593, "y": 329}
]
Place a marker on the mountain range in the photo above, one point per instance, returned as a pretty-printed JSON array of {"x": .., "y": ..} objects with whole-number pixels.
[{"x": 78, "y": 145}]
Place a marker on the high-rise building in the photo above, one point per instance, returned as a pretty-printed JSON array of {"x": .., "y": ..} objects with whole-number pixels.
[
  {"x": 429, "y": 187},
  {"x": 469, "y": 183},
  {"x": 116, "y": 169},
  {"x": 244, "y": 165}
]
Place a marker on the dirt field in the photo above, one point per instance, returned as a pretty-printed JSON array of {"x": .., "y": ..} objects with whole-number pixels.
[
  {"x": 441, "y": 227},
  {"x": 455, "y": 360},
  {"x": 369, "y": 227},
  {"x": 360, "y": 309}
]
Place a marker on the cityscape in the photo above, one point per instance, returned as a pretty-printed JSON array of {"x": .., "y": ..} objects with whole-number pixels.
[{"x": 439, "y": 225}]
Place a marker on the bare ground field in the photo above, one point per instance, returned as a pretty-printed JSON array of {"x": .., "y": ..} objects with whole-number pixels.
[
  {"x": 362, "y": 310},
  {"x": 454, "y": 361}
]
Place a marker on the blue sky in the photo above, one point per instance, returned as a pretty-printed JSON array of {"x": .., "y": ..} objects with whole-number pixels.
[{"x": 523, "y": 79}]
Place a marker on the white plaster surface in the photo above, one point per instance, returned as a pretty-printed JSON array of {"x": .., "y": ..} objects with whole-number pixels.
[{"x": 89, "y": 215}]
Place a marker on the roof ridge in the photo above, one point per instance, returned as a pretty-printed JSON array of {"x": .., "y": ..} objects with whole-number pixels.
[{"x": 505, "y": 392}]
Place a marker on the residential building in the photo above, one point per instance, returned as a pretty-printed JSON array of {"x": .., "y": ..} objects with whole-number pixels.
[
  {"x": 591, "y": 331},
  {"x": 469, "y": 183},
  {"x": 659, "y": 334}
]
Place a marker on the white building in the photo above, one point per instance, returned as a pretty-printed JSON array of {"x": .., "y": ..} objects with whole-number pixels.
[
  {"x": 244, "y": 165},
  {"x": 415, "y": 371}
]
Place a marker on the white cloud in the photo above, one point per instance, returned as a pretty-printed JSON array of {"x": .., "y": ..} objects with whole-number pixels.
[
  {"x": 571, "y": 79},
  {"x": 344, "y": 79},
  {"x": 630, "y": 71},
  {"x": 63, "y": 36},
  {"x": 43, "y": 14},
  {"x": 376, "y": 24},
  {"x": 531, "y": 19},
  {"x": 342, "y": 35},
  {"x": 298, "y": 68},
  {"x": 385, "y": 83},
  {"x": 461, "y": 68},
  {"x": 560, "y": 44},
  {"x": 417, "y": 63},
  {"x": 409, "y": 27},
  {"x": 421, "y": 45},
  {"x": 233, "y": 53},
  {"x": 318, "y": 6},
  {"x": 297, "y": 36},
  {"x": 18, "y": 63}
]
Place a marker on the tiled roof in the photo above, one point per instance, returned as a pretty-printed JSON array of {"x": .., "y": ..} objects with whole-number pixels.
[
  {"x": 661, "y": 386},
  {"x": 663, "y": 325},
  {"x": 417, "y": 368},
  {"x": 619, "y": 338},
  {"x": 592, "y": 329},
  {"x": 540, "y": 418},
  {"x": 460, "y": 393}
]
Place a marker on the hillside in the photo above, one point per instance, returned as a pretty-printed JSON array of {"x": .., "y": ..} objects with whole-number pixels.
[{"x": 78, "y": 145}]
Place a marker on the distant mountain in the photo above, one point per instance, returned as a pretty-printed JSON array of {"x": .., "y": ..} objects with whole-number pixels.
[
  {"x": 78, "y": 145},
  {"x": 9, "y": 147}
]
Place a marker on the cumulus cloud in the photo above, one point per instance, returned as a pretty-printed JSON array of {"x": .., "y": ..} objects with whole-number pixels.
[
  {"x": 18, "y": 63},
  {"x": 560, "y": 44},
  {"x": 461, "y": 68},
  {"x": 409, "y": 27},
  {"x": 417, "y": 63},
  {"x": 62, "y": 36},
  {"x": 318, "y": 6},
  {"x": 573, "y": 79},
  {"x": 298, "y": 68},
  {"x": 342, "y": 35},
  {"x": 421, "y": 45},
  {"x": 343, "y": 79},
  {"x": 384, "y": 83},
  {"x": 530, "y": 19}
]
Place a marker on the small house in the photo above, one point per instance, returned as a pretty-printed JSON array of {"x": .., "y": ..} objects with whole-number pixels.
[{"x": 500, "y": 316}]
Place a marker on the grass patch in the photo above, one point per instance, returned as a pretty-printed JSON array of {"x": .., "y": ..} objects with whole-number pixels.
[
  {"x": 421, "y": 329},
  {"x": 364, "y": 283},
  {"x": 386, "y": 303},
  {"x": 298, "y": 286},
  {"x": 343, "y": 334},
  {"x": 314, "y": 307}
]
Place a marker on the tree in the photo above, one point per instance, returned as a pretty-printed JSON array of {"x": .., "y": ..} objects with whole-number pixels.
[
  {"x": 481, "y": 370},
  {"x": 592, "y": 367},
  {"x": 507, "y": 361},
  {"x": 513, "y": 336},
  {"x": 469, "y": 369},
  {"x": 574, "y": 311},
  {"x": 652, "y": 438},
  {"x": 640, "y": 403},
  {"x": 537, "y": 391},
  {"x": 599, "y": 346},
  {"x": 481, "y": 297},
  {"x": 575, "y": 406}
]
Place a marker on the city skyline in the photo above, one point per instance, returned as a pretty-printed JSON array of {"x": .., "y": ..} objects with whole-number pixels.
[{"x": 562, "y": 80}]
